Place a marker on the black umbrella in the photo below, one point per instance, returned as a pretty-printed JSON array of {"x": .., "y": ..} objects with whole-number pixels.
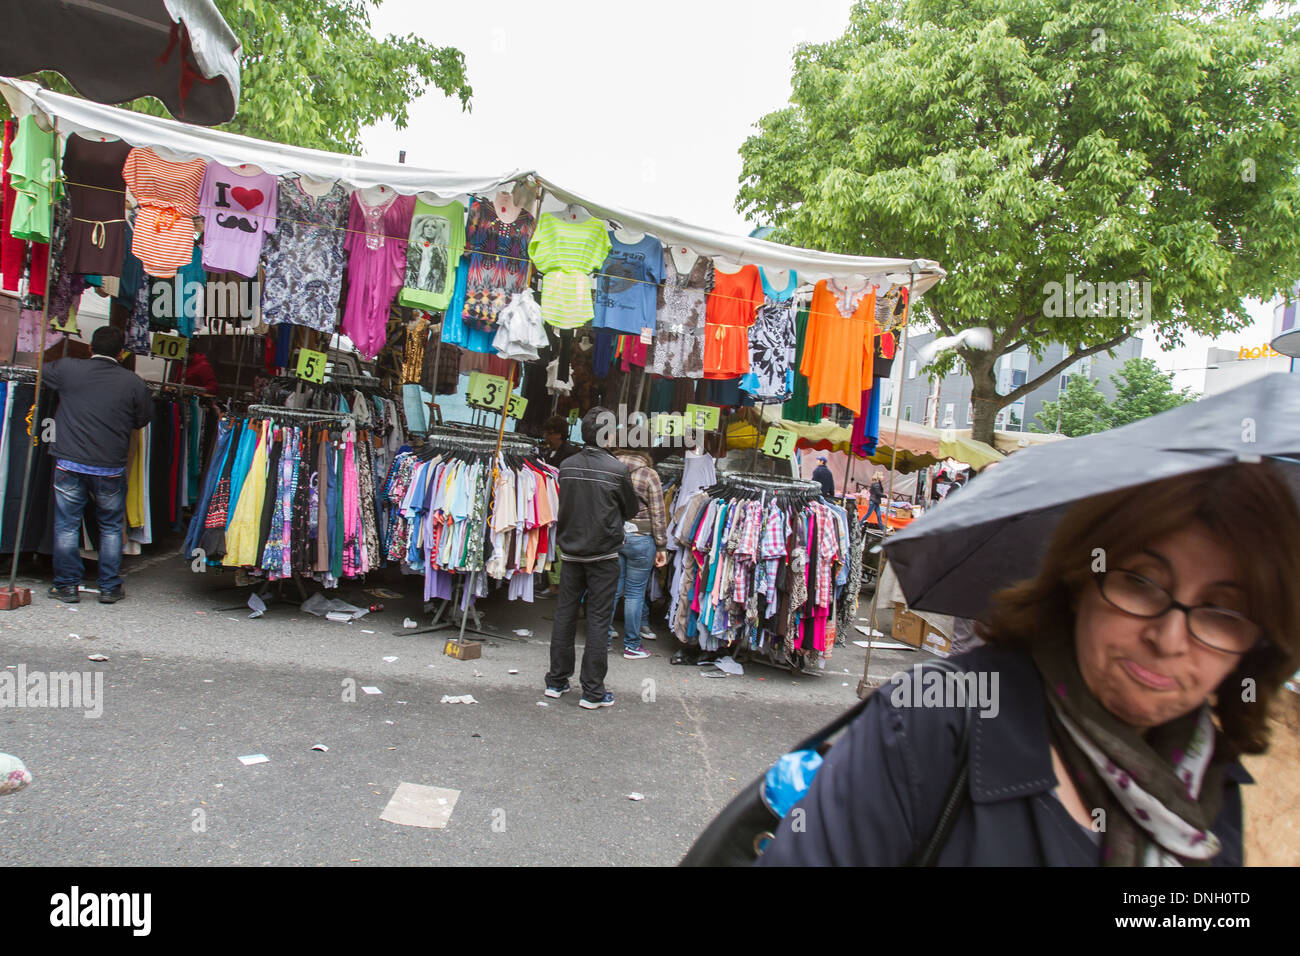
[
  {"x": 112, "y": 51},
  {"x": 994, "y": 533}
]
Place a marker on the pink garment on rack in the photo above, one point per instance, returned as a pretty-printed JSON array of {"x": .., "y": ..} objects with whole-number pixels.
[
  {"x": 351, "y": 512},
  {"x": 376, "y": 247},
  {"x": 14, "y": 251}
]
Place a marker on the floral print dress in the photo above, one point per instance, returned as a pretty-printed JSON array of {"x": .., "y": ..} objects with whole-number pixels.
[
  {"x": 678, "y": 347},
  {"x": 304, "y": 257}
]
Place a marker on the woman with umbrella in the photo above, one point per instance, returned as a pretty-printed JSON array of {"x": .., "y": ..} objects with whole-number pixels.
[{"x": 1128, "y": 675}]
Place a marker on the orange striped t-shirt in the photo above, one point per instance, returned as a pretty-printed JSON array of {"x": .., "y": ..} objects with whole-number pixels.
[{"x": 168, "y": 194}]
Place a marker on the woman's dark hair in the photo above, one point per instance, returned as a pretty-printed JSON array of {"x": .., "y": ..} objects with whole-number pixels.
[
  {"x": 556, "y": 424},
  {"x": 1248, "y": 507},
  {"x": 107, "y": 340}
]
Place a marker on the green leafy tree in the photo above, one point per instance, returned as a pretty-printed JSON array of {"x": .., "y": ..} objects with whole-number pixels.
[
  {"x": 1081, "y": 410},
  {"x": 1142, "y": 390},
  {"x": 313, "y": 74},
  {"x": 1031, "y": 146}
]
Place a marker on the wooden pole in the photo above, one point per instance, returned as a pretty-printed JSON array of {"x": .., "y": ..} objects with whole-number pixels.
[{"x": 864, "y": 685}]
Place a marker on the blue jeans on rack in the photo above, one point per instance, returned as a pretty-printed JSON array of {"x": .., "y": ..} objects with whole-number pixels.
[
  {"x": 636, "y": 560},
  {"x": 72, "y": 492}
]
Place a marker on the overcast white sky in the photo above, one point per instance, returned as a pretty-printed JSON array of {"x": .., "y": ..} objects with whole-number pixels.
[{"x": 640, "y": 106}]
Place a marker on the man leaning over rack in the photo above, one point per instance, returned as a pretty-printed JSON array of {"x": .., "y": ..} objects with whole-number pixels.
[{"x": 100, "y": 405}]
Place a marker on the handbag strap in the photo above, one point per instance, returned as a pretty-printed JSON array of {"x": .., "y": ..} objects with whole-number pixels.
[{"x": 958, "y": 787}]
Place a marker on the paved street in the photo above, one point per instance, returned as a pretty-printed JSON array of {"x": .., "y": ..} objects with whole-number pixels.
[{"x": 189, "y": 687}]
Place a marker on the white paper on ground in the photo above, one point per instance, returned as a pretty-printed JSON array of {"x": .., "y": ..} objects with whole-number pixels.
[
  {"x": 321, "y": 747},
  {"x": 729, "y": 665},
  {"x": 389, "y": 660},
  {"x": 325, "y": 607},
  {"x": 463, "y": 699},
  {"x": 523, "y": 632},
  {"x": 372, "y": 690},
  {"x": 868, "y": 631},
  {"x": 257, "y": 605},
  {"x": 408, "y": 623},
  {"x": 414, "y": 805},
  {"x": 636, "y": 796},
  {"x": 254, "y": 758}
]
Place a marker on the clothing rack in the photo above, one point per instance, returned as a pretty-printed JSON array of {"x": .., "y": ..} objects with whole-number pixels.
[
  {"x": 281, "y": 413},
  {"x": 177, "y": 387},
  {"x": 456, "y": 435},
  {"x": 754, "y": 482},
  {"x": 17, "y": 373}
]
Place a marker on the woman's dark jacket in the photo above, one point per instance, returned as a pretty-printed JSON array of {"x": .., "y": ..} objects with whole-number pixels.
[{"x": 878, "y": 796}]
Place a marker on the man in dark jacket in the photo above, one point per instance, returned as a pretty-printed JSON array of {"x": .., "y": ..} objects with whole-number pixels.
[
  {"x": 100, "y": 405},
  {"x": 596, "y": 498},
  {"x": 822, "y": 475}
]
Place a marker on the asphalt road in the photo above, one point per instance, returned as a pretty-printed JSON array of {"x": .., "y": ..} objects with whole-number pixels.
[{"x": 190, "y": 685}]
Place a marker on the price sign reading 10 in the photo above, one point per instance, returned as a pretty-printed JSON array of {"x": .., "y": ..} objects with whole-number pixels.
[{"x": 169, "y": 347}]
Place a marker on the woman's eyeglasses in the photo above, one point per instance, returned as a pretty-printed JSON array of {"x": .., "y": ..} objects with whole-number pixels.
[{"x": 1216, "y": 627}]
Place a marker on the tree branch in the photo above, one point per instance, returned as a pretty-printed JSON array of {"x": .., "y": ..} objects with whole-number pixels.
[
  {"x": 1061, "y": 366},
  {"x": 944, "y": 327}
]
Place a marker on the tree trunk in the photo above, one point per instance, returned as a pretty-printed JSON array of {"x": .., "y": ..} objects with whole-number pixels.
[{"x": 985, "y": 400}]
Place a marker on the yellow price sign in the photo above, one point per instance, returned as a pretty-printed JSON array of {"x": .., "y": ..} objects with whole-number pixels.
[
  {"x": 516, "y": 407},
  {"x": 311, "y": 365},
  {"x": 779, "y": 443},
  {"x": 703, "y": 417},
  {"x": 169, "y": 347},
  {"x": 487, "y": 391},
  {"x": 669, "y": 425}
]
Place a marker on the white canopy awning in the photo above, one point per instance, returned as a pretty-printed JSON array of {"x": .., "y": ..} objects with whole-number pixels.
[{"x": 185, "y": 141}]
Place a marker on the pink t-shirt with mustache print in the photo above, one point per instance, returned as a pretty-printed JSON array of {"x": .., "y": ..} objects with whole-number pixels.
[{"x": 238, "y": 211}]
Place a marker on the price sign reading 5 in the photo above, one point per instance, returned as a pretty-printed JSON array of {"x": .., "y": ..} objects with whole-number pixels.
[
  {"x": 487, "y": 391},
  {"x": 779, "y": 443},
  {"x": 703, "y": 417},
  {"x": 516, "y": 407},
  {"x": 670, "y": 426},
  {"x": 311, "y": 365},
  {"x": 170, "y": 347}
]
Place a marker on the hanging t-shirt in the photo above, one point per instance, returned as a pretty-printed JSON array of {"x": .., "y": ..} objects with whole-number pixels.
[
  {"x": 433, "y": 251},
  {"x": 97, "y": 230},
  {"x": 498, "y": 262},
  {"x": 840, "y": 346},
  {"x": 304, "y": 257},
  {"x": 731, "y": 308},
  {"x": 772, "y": 344},
  {"x": 566, "y": 253},
  {"x": 168, "y": 193},
  {"x": 627, "y": 288},
  {"x": 238, "y": 212},
  {"x": 34, "y": 178}
]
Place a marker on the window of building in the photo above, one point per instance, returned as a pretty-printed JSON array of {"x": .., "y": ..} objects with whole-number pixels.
[
  {"x": 907, "y": 413},
  {"x": 970, "y": 413},
  {"x": 948, "y": 415},
  {"x": 911, "y": 369}
]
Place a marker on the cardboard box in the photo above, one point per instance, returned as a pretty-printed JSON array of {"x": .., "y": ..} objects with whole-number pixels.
[
  {"x": 913, "y": 629},
  {"x": 466, "y": 651}
]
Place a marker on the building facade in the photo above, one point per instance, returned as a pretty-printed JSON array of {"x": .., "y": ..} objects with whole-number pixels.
[{"x": 913, "y": 396}]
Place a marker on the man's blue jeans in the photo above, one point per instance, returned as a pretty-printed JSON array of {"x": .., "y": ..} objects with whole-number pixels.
[
  {"x": 635, "y": 562},
  {"x": 72, "y": 491}
]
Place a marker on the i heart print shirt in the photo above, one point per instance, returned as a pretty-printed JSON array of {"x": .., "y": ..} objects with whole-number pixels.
[{"x": 238, "y": 211}]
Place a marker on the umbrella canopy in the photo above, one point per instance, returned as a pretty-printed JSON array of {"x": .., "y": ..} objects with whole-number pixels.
[
  {"x": 993, "y": 534},
  {"x": 113, "y": 51}
]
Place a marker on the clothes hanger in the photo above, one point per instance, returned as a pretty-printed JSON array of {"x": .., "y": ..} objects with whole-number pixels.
[{"x": 574, "y": 213}]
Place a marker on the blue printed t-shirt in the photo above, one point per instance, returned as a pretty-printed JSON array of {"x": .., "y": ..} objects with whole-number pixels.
[{"x": 627, "y": 286}]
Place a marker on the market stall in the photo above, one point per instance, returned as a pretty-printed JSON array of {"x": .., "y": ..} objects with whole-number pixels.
[{"x": 341, "y": 299}]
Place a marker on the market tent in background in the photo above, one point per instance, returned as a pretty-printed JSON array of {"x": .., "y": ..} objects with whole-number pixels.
[
  {"x": 230, "y": 149},
  {"x": 1008, "y": 442},
  {"x": 994, "y": 533},
  {"x": 966, "y": 449},
  {"x": 180, "y": 51}
]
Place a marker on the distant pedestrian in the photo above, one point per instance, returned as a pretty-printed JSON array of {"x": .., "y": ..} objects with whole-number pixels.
[
  {"x": 876, "y": 494},
  {"x": 822, "y": 475}
]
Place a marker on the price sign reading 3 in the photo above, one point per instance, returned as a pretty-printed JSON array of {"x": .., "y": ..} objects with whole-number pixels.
[{"x": 487, "y": 391}]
